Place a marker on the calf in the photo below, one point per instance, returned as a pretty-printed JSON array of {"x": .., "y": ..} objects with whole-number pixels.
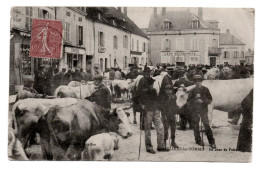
[{"x": 101, "y": 147}]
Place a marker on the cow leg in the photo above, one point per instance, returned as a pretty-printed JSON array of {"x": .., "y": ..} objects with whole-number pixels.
[{"x": 134, "y": 111}]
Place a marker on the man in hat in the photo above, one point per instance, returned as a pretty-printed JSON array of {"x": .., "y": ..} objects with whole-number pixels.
[
  {"x": 184, "y": 112},
  {"x": 198, "y": 101},
  {"x": 169, "y": 109},
  {"x": 147, "y": 97},
  {"x": 39, "y": 80},
  {"x": 102, "y": 95},
  {"x": 96, "y": 70},
  {"x": 112, "y": 74}
]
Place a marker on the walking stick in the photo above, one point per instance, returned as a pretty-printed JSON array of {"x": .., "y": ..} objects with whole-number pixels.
[
  {"x": 201, "y": 129},
  {"x": 141, "y": 124}
]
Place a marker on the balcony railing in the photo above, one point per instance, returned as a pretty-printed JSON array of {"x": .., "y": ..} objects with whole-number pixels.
[{"x": 214, "y": 51}]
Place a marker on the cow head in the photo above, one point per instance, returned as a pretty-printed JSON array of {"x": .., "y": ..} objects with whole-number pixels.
[
  {"x": 124, "y": 125},
  {"x": 182, "y": 95}
]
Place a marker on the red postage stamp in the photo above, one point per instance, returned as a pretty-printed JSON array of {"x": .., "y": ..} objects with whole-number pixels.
[{"x": 46, "y": 38}]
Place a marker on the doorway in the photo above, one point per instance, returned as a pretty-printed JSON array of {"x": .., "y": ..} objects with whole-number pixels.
[{"x": 213, "y": 61}]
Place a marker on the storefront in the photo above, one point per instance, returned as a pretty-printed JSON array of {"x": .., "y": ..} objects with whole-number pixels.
[
  {"x": 180, "y": 58},
  {"x": 74, "y": 58}
]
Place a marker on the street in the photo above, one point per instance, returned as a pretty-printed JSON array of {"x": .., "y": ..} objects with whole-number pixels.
[{"x": 225, "y": 135}]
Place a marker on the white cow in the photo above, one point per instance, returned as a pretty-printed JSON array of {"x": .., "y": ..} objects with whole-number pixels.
[
  {"x": 212, "y": 74},
  {"x": 80, "y": 92},
  {"x": 124, "y": 85},
  {"x": 100, "y": 147}
]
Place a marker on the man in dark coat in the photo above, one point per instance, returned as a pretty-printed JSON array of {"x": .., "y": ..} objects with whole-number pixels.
[
  {"x": 148, "y": 99},
  {"x": 112, "y": 74},
  {"x": 102, "y": 95},
  {"x": 67, "y": 77},
  {"x": 169, "y": 109},
  {"x": 198, "y": 101},
  {"x": 39, "y": 81},
  {"x": 244, "y": 143},
  {"x": 185, "y": 116}
]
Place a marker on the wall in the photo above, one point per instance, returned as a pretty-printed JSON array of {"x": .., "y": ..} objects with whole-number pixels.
[{"x": 110, "y": 53}]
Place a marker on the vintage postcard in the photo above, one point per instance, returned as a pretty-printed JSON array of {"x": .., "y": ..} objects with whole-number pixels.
[{"x": 131, "y": 84}]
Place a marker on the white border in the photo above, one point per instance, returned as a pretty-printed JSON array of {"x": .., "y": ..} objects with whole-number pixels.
[{"x": 93, "y": 166}]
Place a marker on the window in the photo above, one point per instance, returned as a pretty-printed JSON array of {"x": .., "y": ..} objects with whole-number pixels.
[
  {"x": 242, "y": 54},
  {"x": 194, "y": 44},
  {"x": 80, "y": 61},
  {"x": 68, "y": 13},
  {"x": 137, "y": 45},
  {"x": 132, "y": 44},
  {"x": 101, "y": 64},
  {"x": 67, "y": 31},
  {"x": 144, "y": 47},
  {"x": 179, "y": 44},
  {"x": 115, "y": 42},
  {"x": 167, "y": 44},
  {"x": 125, "y": 41},
  {"x": 167, "y": 24},
  {"x": 101, "y": 41},
  {"x": 69, "y": 60},
  {"x": 29, "y": 16},
  {"x": 79, "y": 35},
  {"x": 26, "y": 60},
  {"x": 125, "y": 64},
  {"x": 225, "y": 54},
  {"x": 235, "y": 54},
  {"x": 195, "y": 24}
]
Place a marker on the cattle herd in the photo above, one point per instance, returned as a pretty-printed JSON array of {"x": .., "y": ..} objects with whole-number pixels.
[{"x": 73, "y": 128}]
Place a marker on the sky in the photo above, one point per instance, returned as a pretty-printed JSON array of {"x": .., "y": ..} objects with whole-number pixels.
[{"x": 240, "y": 21}]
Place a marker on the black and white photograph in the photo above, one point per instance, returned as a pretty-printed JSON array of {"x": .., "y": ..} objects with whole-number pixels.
[{"x": 123, "y": 83}]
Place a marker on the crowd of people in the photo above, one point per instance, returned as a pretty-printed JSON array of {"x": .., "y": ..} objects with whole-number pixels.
[{"x": 145, "y": 96}]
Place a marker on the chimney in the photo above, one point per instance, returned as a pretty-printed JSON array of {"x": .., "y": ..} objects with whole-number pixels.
[
  {"x": 125, "y": 11},
  {"x": 200, "y": 12},
  {"x": 154, "y": 11},
  {"x": 227, "y": 30},
  {"x": 119, "y": 8},
  {"x": 163, "y": 10}
]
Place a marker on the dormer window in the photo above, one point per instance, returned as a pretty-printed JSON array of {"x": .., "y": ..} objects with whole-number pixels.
[
  {"x": 195, "y": 24},
  {"x": 166, "y": 24}
]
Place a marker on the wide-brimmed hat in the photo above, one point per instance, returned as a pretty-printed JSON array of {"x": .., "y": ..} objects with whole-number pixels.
[
  {"x": 197, "y": 78},
  {"x": 147, "y": 70}
]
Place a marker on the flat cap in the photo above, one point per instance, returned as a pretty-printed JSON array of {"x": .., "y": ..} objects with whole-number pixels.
[{"x": 197, "y": 77}]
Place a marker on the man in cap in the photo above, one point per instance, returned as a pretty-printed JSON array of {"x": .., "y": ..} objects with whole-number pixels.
[
  {"x": 102, "y": 95},
  {"x": 169, "y": 109},
  {"x": 147, "y": 97},
  {"x": 198, "y": 101},
  {"x": 184, "y": 112}
]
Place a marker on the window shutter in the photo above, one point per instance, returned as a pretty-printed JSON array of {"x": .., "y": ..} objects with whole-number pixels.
[
  {"x": 81, "y": 35},
  {"x": 98, "y": 38},
  {"x": 77, "y": 34},
  {"x": 31, "y": 10},
  {"x": 103, "y": 40}
]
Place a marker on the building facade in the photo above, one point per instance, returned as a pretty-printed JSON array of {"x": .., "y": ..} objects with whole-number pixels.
[
  {"x": 22, "y": 66},
  {"x": 78, "y": 38},
  {"x": 249, "y": 55},
  {"x": 183, "y": 38},
  {"x": 232, "y": 49}
]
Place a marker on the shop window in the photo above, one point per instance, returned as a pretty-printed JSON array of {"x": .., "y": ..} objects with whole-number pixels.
[
  {"x": 80, "y": 61},
  {"x": 79, "y": 35},
  {"x": 101, "y": 64},
  {"x": 29, "y": 16},
  {"x": 26, "y": 60},
  {"x": 69, "y": 61},
  {"x": 125, "y": 64}
]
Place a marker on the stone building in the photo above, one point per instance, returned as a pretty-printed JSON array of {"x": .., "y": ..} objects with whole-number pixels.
[
  {"x": 183, "y": 38},
  {"x": 232, "y": 49}
]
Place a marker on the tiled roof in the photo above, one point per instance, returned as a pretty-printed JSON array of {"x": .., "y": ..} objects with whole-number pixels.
[
  {"x": 229, "y": 39},
  {"x": 179, "y": 20},
  {"x": 130, "y": 25},
  {"x": 123, "y": 22}
]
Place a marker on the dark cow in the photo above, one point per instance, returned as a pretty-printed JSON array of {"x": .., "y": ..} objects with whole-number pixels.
[
  {"x": 64, "y": 131},
  {"x": 27, "y": 112}
]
